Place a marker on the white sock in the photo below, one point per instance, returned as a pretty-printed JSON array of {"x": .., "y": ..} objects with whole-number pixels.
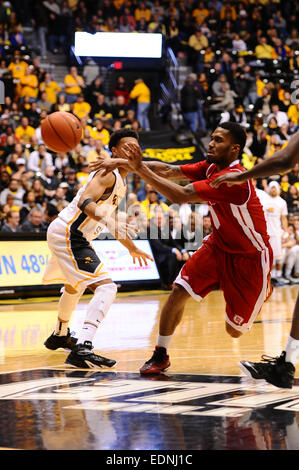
[
  {"x": 66, "y": 306},
  {"x": 164, "y": 341},
  {"x": 292, "y": 350},
  {"x": 278, "y": 273},
  {"x": 97, "y": 308},
  {"x": 273, "y": 273}
]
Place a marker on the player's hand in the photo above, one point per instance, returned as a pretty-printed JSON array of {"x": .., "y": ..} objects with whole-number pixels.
[
  {"x": 133, "y": 153},
  {"x": 120, "y": 229},
  {"x": 185, "y": 256},
  {"x": 141, "y": 256},
  {"x": 229, "y": 178},
  {"x": 177, "y": 254},
  {"x": 103, "y": 163}
]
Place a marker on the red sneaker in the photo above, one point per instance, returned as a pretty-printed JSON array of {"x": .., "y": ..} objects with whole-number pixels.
[{"x": 158, "y": 363}]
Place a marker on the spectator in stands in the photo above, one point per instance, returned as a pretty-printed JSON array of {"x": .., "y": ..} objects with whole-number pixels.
[
  {"x": 43, "y": 103},
  {"x": 25, "y": 132},
  {"x": 50, "y": 87},
  {"x": 57, "y": 26},
  {"x": 142, "y": 12},
  {"x": 142, "y": 94},
  {"x": 150, "y": 204},
  {"x": 292, "y": 199},
  {"x": 71, "y": 180},
  {"x": 61, "y": 160},
  {"x": 17, "y": 66},
  {"x": 120, "y": 109},
  {"x": 29, "y": 84},
  {"x": 29, "y": 203},
  {"x": 39, "y": 190},
  {"x": 39, "y": 159},
  {"x": 100, "y": 132},
  {"x": 122, "y": 89},
  {"x": 262, "y": 104},
  {"x": 74, "y": 85},
  {"x": 12, "y": 222},
  {"x": 59, "y": 199},
  {"x": 235, "y": 115},
  {"x": 197, "y": 42},
  {"x": 81, "y": 107},
  {"x": 264, "y": 50},
  {"x": 34, "y": 222},
  {"x": 101, "y": 110},
  {"x": 15, "y": 190},
  {"x": 280, "y": 116},
  {"x": 293, "y": 113},
  {"x": 93, "y": 90},
  {"x": 49, "y": 181},
  {"x": 168, "y": 258},
  {"x": 190, "y": 95},
  {"x": 127, "y": 20},
  {"x": 290, "y": 255},
  {"x": 62, "y": 105},
  {"x": 99, "y": 150}
]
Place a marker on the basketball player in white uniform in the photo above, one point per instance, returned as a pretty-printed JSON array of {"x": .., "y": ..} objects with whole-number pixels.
[
  {"x": 75, "y": 264},
  {"x": 276, "y": 212}
]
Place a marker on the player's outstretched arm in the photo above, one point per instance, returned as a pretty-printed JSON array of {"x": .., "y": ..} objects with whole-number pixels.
[
  {"x": 161, "y": 169},
  {"x": 174, "y": 192},
  {"x": 135, "y": 252},
  {"x": 279, "y": 162}
]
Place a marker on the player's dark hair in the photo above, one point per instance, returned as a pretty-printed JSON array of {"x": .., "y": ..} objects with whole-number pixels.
[
  {"x": 237, "y": 132},
  {"x": 52, "y": 210},
  {"x": 120, "y": 134}
]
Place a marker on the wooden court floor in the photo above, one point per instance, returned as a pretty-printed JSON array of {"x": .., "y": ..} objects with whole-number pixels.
[{"x": 203, "y": 389}]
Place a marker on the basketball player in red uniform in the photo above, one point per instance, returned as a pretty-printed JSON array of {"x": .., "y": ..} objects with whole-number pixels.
[
  {"x": 277, "y": 371},
  {"x": 236, "y": 257}
]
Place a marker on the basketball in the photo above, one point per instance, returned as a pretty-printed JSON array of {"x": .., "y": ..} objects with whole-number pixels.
[{"x": 61, "y": 131}]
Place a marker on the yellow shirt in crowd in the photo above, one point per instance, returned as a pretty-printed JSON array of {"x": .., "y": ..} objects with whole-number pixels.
[
  {"x": 198, "y": 43},
  {"x": 146, "y": 14},
  {"x": 265, "y": 51},
  {"x": 200, "y": 15},
  {"x": 25, "y": 134},
  {"x": 293, "y": 114},
  {"x": 260, "y": 85},
  {"x": 149, "y": 208},
  {"x": 72, "y": 87},
  {"x": 141, "y": 92},
  {"x": 82, "y": 109},
  {"x": 52, "y": 89},
  {"x": 102, "y": 135},
  {"x": 29, "y": 84},
  {"x": 18, "y": 70}
]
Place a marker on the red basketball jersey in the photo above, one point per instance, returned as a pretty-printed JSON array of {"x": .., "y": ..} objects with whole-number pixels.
[{"x": 237, "y": 215}]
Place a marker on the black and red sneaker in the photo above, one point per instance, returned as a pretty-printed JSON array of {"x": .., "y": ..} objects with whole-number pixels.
[{"x": 158, "y": 363}]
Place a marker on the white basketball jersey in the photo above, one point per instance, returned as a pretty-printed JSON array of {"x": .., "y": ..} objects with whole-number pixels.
[{"x": 79, "y": 224}]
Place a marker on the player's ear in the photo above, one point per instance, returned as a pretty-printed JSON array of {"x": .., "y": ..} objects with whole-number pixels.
[
  {"x": 114, "y": 152},
  {"x": 237, "y": 148}
]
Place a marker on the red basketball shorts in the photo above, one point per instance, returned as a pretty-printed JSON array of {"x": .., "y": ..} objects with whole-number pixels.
[{"x": 244, "y": 280}]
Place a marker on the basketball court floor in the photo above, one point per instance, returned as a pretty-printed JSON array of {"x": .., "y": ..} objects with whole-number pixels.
[{"x": 203, "y": 401}]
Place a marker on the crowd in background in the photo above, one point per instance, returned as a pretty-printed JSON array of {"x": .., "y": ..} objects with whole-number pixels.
[{"x": 244, "y": 58}]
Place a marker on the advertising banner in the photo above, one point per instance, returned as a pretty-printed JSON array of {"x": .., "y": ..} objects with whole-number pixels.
[{"x": 22, "y": 263}]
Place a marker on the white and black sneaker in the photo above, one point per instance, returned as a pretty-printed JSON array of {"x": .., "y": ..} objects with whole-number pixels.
[
  {"x": 275, "y": 370},
  {"x": 83, "y": 358}
]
